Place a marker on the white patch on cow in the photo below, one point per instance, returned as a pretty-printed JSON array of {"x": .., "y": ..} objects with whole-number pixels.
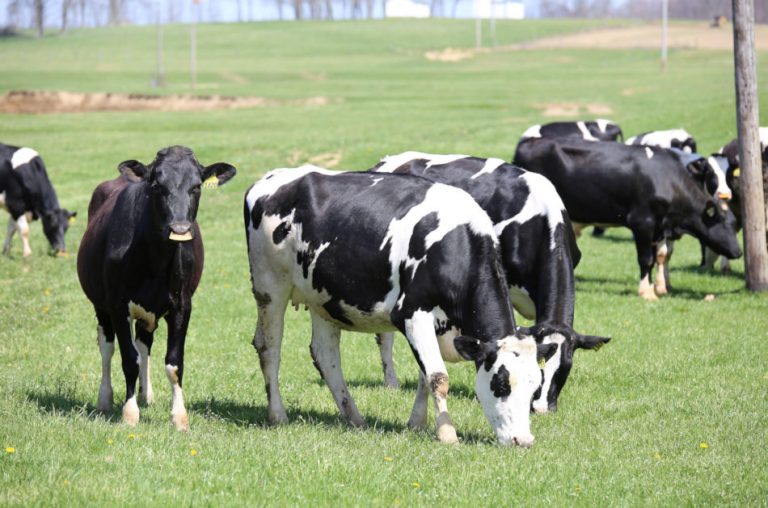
[
  {"x": 648, "y": 152},
  {"x": 723, "y": 191},
  {"x": 603, "y": 124},
  {"x": 533, "y": 131},
  {"x": 542, "y": 200},
  {"x": 664, "y": 138},
  {"x": 376, "y": 180},
  {"x": 585, "y": 132},
  {"x": 131, "y": 412},
  {"x": 145, "y": 380},
  {"x": 276, "y": 178},
  {"x": 763, "y": 135},
  {"x": 178, "y": 411},
  {"x": 22, "y": 226},
  {"x": 136, "y": 311},
  {"x": 22, "y": 156},
  {"x": 392, "y": 162},
  {"x": 631, "y": 141},
  {"x": 522, "y": 302},
  {"x": 490, "y": 166},
  {"x": 107, "y": 350},
  {"x": 541, "y": 405}
]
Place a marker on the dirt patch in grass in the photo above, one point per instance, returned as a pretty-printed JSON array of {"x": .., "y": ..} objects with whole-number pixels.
[
  {"x": 41, "y": 102},
  {"x": 450, "y": 54},
  {"x": 573, "y": 109}
]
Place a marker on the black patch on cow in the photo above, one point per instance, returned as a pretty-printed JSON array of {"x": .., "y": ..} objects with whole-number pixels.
[
  {"x": 333, "y": 308},
  {"x": 490, "y": 359},
  {"x": 417, "y": 248},
  {"x": 500, "y": 383},
  {"x": 280, "y": 232}
]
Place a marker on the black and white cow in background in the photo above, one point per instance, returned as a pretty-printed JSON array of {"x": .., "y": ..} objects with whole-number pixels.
[
  {"x": 538, "y": 252},
  {"x": 731, "y": 154},
  {"x": 374, "y": 252},
  {"x": 647, "y": 189},
  {"x": 593, "y": 130},
  {"x": 27, "y": 194},
  {"x": 672, "y": 138},
  {"x": 140, "y": 260}
]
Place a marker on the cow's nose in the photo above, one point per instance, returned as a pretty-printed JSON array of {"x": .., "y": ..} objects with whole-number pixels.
[
  {"x": 526, "y": 441},
  {"x": 725, "y": 196},
  {"x": 181, "y": 227}
]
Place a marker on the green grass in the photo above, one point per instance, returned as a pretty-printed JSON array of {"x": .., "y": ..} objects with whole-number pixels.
[{"x": 678, "y": 373}]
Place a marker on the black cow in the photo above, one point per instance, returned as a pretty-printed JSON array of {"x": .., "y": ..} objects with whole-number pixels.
[
  {"x": 140, "y": 260},
  {"x": 647, "y": 189},
  {"x": 593, "y": 130},
  {"x": 672, "y": 138},
  {"x": 375, "y": 252},
  {"x": 27, "y": 194},
  {"x": 538, "y": 251}
]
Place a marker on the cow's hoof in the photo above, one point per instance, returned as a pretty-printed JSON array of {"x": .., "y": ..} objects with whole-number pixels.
[
  {"x": 392, "y": 383},
  {"x": 105, "y": 400},
  {"x": 648, "y": 295},
  {"x": 356, "y": 421},
  {"x": 131, "y": 412},
  {"x": 661, "y": 290},
  {"x": 447, "y": 434},
  {"x": 180, "y": 421},
  {"x": 278, "y": 418}
]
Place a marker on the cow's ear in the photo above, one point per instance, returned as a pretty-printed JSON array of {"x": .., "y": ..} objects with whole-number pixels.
[
  {"x": 545, "y": 351},
  {"x": 217, "y": 174},
  {"x": 470, "y": 349},
  {"x": 133, "y": 170},
  {"x": 592, "y": 342},
  {"x": 698, "y": 167}
]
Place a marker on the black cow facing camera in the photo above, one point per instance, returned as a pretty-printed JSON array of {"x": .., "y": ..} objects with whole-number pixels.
[{"x": 140, "y": 260}]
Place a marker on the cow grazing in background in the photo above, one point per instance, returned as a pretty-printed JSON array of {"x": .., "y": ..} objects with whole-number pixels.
[
  {"x": 593, "y": 130},
  {"x": 375, "y": 252},
  {"x": 538, "y": 251},
  {"x": 647, "y": 189},
  {"x": 140, "y": 260},
  {"x": 27, "y": 194},
  {"x": 672, "y": 138}
]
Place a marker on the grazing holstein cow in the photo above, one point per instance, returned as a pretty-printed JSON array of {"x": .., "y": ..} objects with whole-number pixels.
[
  {"x": 593, "y": 130},
  {"x": 538, "y": 252},
  {"x": 672, "y": 138},
  {"x": 27, "y": 194},
  {"x": 374, "y": 252},
  {"x": 141, "y": 259},
  {"x": 647, "y": 189}
]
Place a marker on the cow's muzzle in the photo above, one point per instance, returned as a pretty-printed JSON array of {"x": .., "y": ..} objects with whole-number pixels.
[{"x": 181, "y": 232}]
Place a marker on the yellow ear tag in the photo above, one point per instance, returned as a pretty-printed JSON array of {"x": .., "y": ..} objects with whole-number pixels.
[
  {"x": 736, "y": 172},
  {"x": 597, "y": 347},
  {"x": 211, "y": 182},
  {"x": 542, "y": 361},
  {"x": 72, "y": 220}
]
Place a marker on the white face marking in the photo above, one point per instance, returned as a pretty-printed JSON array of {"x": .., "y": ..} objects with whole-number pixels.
[
  {"x": 541, "y": 405},
  {"x": 585, "y": 132},
  {"x": 136, "y": 311},
  {"x": 542, "y": 200},
  {"x": 392, "y": 162},
  {"x": 603, "y": 124},
  {"x": 648, "y": 152},
  {"x": 510, "y": 416},
  {"x": 22, "y": 156},
  {"x": 723, "y": 191},
  {"x": 489, "y": 167},
  {"x": 532, "y": 132}
]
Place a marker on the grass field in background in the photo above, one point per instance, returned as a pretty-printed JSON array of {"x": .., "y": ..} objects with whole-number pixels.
[{"x": 674, "y": 411}]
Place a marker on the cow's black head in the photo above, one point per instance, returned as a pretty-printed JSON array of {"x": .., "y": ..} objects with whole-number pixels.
[
  {"x": 175, "y": 179},
  {"x": 716, "y": 226},
  {"x": 55, "y": 225}
]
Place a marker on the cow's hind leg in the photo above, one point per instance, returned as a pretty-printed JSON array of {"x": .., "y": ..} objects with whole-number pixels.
[
  {"x": 144, "y": 341},
  {"x": 327, "y": 359},
  {"x": 663, "y": 255},
  {"x": 9, "y": 236},
  {"x": 386, "y": 341},
  {"x": 418, "y": 419},
  {"x": 645, "y": 259},
  {"x": 178, "y": 321},
  {"x": 105, "y": 338}
]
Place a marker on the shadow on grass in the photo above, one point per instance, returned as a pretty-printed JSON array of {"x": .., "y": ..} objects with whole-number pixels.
[
  {"x": 60, "y": 403},
  {"x": 454, "y": 390}
]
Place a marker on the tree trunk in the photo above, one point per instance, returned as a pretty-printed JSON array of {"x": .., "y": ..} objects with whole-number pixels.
[
  {"x": 66, "y": 5},
  {"x": 751, "y": 179},
  {"x": 39, "y": 17}
]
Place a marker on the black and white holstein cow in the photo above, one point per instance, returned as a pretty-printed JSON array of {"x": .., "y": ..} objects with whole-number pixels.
[
  {"x": 27, "y": 194},
  {"x": 538, "y": 252},
  {"x": 647, "y": 189},
  {"x": 141, "y": 259},
  {"x": 672, "y": 138},
  {"x": 374, "y": 252},
  {"x": 593, "y": 130}
]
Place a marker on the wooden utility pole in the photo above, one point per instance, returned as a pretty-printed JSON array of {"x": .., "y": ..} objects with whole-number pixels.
[
  {"x": 751, "y": 178},
  {"x": 664, "y": 31}
]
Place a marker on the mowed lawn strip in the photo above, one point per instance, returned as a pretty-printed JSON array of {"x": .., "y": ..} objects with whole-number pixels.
[{"x": 672, "y": 411}]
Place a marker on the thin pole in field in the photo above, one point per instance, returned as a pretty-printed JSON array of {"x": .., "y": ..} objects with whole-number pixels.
[
  {"x": 751, "y": 178},
  {"x": 664, "y": 30},
  {"x": 193, "y": 45},
  {"x": 160, "y": 76}
]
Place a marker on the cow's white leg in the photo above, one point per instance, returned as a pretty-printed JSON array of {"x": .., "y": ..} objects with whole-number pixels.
[
  {"x": 662, "y": 252},
  {"x": 420, "y": 331},
  {"x": 418, "y": 419},
  {"x": 267, "y": 341},
  {"x": 725, "y": 265},
  {"x": 145, "y": 382},
  {"x": 179, "y": 415},
  {"x": 9, "y": 235},
  {"x": 645, "y": 289},
  {"x": 107, "y": 349},
  {"x": 23, "y": 226},
  {"x": 327, "y": 358},
  {"x": 386, "y": 341}
]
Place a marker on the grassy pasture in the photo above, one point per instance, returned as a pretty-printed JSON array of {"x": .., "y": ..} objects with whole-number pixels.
[{"x": 673, "y": 411}]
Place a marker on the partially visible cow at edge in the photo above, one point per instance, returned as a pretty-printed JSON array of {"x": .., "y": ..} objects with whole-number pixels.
[
  {"x": 140, "y": 260},
  {"x": 374, "y": 252},
  {"x": 647, "y": 189},
  {"x": 671, "y": 138},
  {"x": 592, "y": 130},
  {"x": 538, "y": 252},
  {"x": 733, "y": 173},
  {"x": 27, "y": 194}
]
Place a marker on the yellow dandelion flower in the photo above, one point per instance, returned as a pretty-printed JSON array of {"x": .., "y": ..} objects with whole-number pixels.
[
  {"x": 703, "y": 445},
  {"x": 416, "y": 485},
  {"x": 45, "y": 310},
  {"x": 578, "y": 488},
  {"x": 65, "y": 482},
  {"x": 10, "y": 449},
  {"x": 657, "y": 456},
  {"x": 131, "y": 436},
  {"x": 388, "y": 459},
  {"x": 193, "y": 452},
  {"x": 110, "y": 441},
  {"x": 47, "y": 291}
]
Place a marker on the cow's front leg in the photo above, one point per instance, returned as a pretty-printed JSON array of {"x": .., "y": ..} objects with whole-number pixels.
[
  {"x": 385, "y": 342},
  {"x": 144, "y": 341},
  {"x": 9, "y": 236},
  {"x": 23, "y": 226},
  {"x": 130, "y": 361},
  {"x": 177, "y": 320},
  {"x": 420, "y": 331},
  {"x": 663, "y": 256},
  {"x": 327, "y": 359},
  {"x": 645, "y": 258},
  {"x": 105, "y": 338},
  {"x": 267, "y": 340}
]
